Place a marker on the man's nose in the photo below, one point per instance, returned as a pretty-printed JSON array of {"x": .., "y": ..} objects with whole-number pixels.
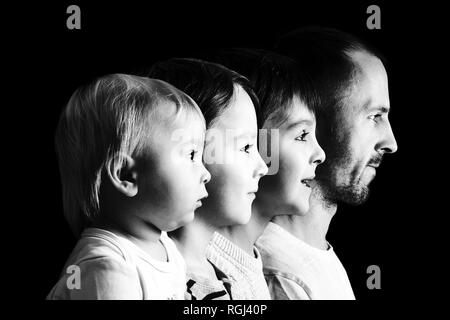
[{"x": 388, "y": 144}]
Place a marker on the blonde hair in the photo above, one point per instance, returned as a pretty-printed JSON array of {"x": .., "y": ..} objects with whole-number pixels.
[{"x": 102, "y": 121}]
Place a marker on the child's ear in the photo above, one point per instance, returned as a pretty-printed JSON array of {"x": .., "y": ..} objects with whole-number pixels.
[{"x": 123, "y": 175}]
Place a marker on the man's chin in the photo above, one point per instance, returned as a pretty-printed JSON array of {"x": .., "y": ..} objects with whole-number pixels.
[
  {"x": 355, "y": 195},
  {"x": 351, "y": 195}
]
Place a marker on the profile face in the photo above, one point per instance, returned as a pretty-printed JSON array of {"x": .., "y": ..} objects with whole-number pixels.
[
  {"x": 363, "y": 135},
  {"x": 232, "y": 158},
  {"x": 172, "y": 175},
  {"x": 288, "y": 190}
]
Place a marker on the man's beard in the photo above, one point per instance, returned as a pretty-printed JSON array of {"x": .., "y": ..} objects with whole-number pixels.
[
  {"x": 339, "y": 179},
  {"x": 352, "y": 192}
]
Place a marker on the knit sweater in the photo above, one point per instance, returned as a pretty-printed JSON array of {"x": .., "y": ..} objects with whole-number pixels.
[{"x": 244, "y": 272}]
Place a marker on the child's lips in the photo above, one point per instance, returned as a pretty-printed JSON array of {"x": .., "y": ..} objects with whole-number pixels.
[
  {"x": 307, "y": 181},
  {"x": 199, "y": 201}
]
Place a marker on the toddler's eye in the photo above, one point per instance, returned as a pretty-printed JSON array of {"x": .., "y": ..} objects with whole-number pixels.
[
  {"x": 247, "y": 147},
  {"x": 302, "y": 136}
]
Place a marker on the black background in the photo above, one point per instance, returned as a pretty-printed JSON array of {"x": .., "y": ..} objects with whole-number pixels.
[{"x": 129, "y": 37}]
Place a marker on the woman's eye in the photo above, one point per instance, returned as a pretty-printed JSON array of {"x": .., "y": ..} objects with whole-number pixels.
[
  {"x": 302, "y": 136},
  {"x": 192, "y": 155},
  {"x": 247, "y": 147}
]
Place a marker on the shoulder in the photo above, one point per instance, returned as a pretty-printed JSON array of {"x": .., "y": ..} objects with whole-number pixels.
[
  {"x": 98, "y": 268},
  {"x": 285, "y": 286},
  {"x": 97, "y": 279}
]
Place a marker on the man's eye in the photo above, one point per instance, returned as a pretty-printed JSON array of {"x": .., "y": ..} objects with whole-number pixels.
[
  {"x": 247, "y": 147},
  {"x": 375, "y": 117},
  {"x": 302, "y": 136}
]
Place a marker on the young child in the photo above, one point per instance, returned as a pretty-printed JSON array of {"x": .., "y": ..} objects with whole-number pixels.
[
  {"x": 130, "y": 156},
  {"x": 288, "y": 103},
  {"x": 217, "y": 268}
]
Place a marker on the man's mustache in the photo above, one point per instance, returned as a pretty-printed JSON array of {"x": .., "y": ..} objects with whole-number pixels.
[{"x": 375, "y": 160}]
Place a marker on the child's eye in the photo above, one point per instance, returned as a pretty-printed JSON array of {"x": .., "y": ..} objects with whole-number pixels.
[
  {"x": 302, "y": 136},
  {"x": 247, "y": 147},
  {"x": 192, "y": 154}
]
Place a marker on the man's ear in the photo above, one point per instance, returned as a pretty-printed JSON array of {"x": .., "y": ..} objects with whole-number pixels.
[{"x": 123, "y": 175}]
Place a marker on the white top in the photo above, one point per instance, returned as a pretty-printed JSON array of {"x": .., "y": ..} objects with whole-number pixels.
[
  {"x": 295, "y": 270},
  {"x": 113, "y": 267},
  {"x": 243, "y": 272}
]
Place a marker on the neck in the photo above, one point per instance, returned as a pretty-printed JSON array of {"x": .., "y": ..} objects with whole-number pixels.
[
  {"x": 193, "y": 238},
  {"x": 143, "y": 234},
  {"x": 311, "y": 227},
  {"x": 192, "y": 241},
  {"x": 246, "y": 235},
  {"x": 132, "y": 228}
]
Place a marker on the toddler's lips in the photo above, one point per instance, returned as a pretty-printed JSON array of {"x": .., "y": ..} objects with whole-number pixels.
[{"x": 253, "y": 192}]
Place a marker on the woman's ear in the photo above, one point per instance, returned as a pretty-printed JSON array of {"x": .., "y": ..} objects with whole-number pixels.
[{"x": 123, "y": 175}]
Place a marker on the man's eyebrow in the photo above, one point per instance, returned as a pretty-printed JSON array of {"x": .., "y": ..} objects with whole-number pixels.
[
  {"x": 384, "y": 109},
  {"x": 307, "y": 122},
  {"x": 380, "y": 108}
]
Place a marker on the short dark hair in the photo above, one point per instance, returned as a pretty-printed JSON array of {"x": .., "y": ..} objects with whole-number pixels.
[
  {"x": 211, "y": 85},
  {"x": 276, "y": 79},
  {"x": 325, "y": 54}
]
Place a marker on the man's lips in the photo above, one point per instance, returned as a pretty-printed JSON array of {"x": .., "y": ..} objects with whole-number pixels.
[
  {"x": 374, "y": 165},
  {"x": 375, "y": 161}
]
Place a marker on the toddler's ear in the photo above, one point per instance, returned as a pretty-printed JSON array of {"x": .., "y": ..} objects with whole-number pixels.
[{"x": 123, "y": 175}]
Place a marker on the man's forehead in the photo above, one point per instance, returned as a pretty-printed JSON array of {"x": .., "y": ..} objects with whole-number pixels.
[
  {"x": 368, "y": 67},
  {"x": 369, "y": 88}
]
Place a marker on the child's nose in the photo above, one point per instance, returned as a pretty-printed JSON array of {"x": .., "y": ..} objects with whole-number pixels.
[
  {"x": 206, "y": 176},
  {"x": 318, "y": 156},
  {"x": 261, "y": 167}
]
